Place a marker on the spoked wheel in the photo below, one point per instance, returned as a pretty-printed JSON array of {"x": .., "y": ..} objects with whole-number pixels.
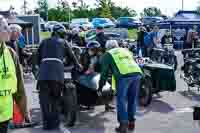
[{"x": 145, "y": 92}]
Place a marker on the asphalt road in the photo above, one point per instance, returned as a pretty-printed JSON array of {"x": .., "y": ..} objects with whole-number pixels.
[{"x": 168, "y": 113}]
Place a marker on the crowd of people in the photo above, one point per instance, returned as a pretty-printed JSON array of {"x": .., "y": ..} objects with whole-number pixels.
[
  {"x": 150, "y": 36},
  {"x": 102, "y": 56}
]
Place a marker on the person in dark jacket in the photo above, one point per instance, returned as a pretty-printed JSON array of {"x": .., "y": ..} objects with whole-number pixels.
[
  {"x": 100, "y": 36},
  {"x": 51, "y": 53},
  {"x": 140, "y": 40},
  {"x": 76, "y": 39}
]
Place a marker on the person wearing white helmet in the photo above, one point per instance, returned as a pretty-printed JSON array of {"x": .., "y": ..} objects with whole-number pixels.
[
  {"x": 11, "y": 80},
  {"x": 126, "y": 80}
]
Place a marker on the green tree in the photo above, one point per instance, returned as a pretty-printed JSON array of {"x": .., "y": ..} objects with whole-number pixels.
[
  {"x": 82, "y": 10},
  {"x": 119, "y": 12},
  {"x": 151, "y": 11},
  {"x": 104, "y": 8},
  {"x": 43, "y": 9},
  {"x": 58, "y": 14}
]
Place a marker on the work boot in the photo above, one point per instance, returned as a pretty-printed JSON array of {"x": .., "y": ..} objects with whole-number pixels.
[
  {"x": 131, "y": 126},
  {"x": 122, "y": 128}
]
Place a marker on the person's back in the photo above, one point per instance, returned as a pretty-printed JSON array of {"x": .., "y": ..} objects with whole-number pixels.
[
  {"x": 52, "y": 48},
  {"x": 119, "y": 58}
]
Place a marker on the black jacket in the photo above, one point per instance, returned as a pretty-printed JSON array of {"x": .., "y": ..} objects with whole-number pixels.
[
  {"x": 140, "y": 40},
  {"x": 54, "y": 48},
  {"x": 76, "y": 39},
  {"x": 102, "y": 39}
]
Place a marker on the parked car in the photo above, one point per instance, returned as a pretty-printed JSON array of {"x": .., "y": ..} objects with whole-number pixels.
[
  {"x": 50, "y": 24},
  {"x": 81, "y": 22},
  {"x": 151, "y": 20},
  {"x": 128, "y": 22},
  {"x": 105, "y": 22}
]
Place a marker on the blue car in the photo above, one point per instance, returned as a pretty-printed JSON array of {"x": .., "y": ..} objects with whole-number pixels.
[
  {"x": 104, "y": 22},
  {"x": 128, "y": 22}
]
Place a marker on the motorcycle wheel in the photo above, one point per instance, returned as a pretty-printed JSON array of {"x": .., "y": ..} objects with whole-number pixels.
[
  {"x": 145, "y": 92},
  {"x": 70, "y": 106}
]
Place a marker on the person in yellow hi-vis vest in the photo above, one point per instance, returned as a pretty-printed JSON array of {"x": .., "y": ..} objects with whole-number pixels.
[
  {"x": 11, "y": 80},
  {"x": 126, "y": 75}
]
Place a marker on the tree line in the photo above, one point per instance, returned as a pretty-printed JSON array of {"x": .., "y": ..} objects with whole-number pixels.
[{"x": 65, "y": 11}]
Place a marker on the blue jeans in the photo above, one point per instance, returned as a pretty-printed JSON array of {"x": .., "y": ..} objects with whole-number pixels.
[{"x": 127, "y": 90}]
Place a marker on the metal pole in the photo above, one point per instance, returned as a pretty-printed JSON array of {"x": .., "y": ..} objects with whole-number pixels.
[
  {"x": 182, "y": 5},
  {"x": 69, "y": 14}
]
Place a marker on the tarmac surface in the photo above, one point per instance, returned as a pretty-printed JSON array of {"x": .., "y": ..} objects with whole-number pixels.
[{"x": 170, "y": 112}]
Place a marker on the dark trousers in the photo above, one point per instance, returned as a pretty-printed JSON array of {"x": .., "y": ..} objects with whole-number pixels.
[
  {"x": 49, "y": 95},
  {"x": 4, "y": 127}
]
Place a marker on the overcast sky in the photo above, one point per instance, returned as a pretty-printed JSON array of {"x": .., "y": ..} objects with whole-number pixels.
[{"x": 168, "y": 7}]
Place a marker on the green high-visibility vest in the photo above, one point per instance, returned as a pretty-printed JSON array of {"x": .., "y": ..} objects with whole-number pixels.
[
  {"x": 8, "y": 85},
  {"x": 124, "y": 61}
]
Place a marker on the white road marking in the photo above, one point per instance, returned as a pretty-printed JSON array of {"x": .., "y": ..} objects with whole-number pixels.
[{"x": 184, "y": 110}]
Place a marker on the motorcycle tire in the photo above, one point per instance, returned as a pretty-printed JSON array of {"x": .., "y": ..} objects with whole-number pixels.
[
  {"x": 70, "y": 106},
  {"x": 145, "y": 95}
]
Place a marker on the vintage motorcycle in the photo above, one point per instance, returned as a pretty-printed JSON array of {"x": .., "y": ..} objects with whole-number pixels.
[{"x": 191, "y": 68}]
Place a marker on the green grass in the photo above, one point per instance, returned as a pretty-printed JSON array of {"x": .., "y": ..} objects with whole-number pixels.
[
  {"x": 44, "y": 35},
  {"x": 132, "y": 33}
]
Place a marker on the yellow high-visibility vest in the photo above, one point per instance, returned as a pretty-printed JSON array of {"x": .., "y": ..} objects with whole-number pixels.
[
  {"x": 8, "y": 85},
  {"x": 125, "y": 63}
]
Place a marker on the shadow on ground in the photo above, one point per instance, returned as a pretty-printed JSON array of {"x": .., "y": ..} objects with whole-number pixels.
[{"x": 157, "y": 106}]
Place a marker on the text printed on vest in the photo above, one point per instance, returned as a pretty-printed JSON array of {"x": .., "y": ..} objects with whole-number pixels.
[{"x": 5, "y": 92}]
